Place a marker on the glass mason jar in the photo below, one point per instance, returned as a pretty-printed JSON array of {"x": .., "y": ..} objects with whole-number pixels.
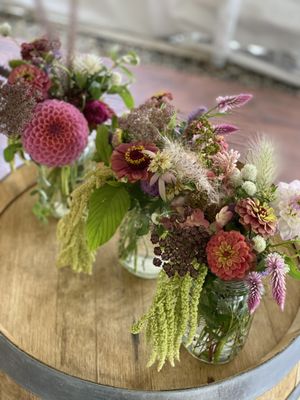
[
  {"x": 223, "y": 322},
  {"x": 135, "y": 247},
  {"x": 54, "y": 185}
]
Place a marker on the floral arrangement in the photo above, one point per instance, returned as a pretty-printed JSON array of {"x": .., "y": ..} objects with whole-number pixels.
[
  {"x": 50, "y": 102},
  {"x": 212, "y": 218}
]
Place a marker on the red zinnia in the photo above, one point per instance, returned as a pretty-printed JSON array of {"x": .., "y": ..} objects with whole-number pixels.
[
  {"x": 229, "y": 256},
  {"x": 36, "y": 79},
  {"x": 128, "y": 159}
]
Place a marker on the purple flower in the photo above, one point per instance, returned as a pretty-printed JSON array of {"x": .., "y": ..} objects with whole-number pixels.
[
  {"x": 277, "y": 268},
  {"x": 256, "y": 290},
  {"x": 196, "y": 114},
  {"x": 96, "y": 112},
  {"x": 151, "y": 190},
  {"x": 225, "y": 129},
  {"x": 228, "y": 103}
]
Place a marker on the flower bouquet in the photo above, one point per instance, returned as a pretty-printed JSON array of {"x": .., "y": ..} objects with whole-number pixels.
[
  {"x": 49, "y": 105},
  {"x": 220, "y": 229}
]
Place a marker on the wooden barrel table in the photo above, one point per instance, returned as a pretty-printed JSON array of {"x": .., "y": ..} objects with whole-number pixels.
[{"x": 66, "y": 336}]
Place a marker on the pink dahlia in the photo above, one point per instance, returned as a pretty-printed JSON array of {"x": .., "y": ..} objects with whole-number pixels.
[
  {"x": 56, "y": 135},
  {"x": 257, "y": 217},
  {"x": 229, "y": 256},
  {"x": 36, "y": 79},
  {"x": 96, "y": 112},
  {"x": 129, "y": 160}
]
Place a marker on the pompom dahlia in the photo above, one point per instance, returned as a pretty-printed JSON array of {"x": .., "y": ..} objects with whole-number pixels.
[
  {"x": 229, "y": 256},
  {"x": 257, "y": 217},
  {"x": 129, "y": 160},
  {"x": 96, "y": 112},
  {"x": 287, "y": 208},
  {"x": 36, "y": 79},
  {"x": 56, "y": 135}
]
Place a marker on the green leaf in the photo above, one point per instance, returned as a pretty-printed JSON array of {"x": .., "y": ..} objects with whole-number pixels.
[
  {"x": 104, "y": 149},
  {"x": 126, "y": 96},
  {"x": 95, "y": 90},
  {"x": 16, "y": 63},
  {"x": 126, "y": 71},
  {"x": 80, "y": 80},
  {"x": 107, "y": 207},
  {"x": 10, "y": 151},
  {"x": 294, "y": 271}
]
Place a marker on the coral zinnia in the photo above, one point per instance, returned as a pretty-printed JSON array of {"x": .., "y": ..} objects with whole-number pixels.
[
  {"x": 229, "y": 256},
  {"x": 36, "y": 79},
  {"x": 257, "y": 217},
  {"x": 56, "y": 135},
  {"x": 129, "y": 160}
]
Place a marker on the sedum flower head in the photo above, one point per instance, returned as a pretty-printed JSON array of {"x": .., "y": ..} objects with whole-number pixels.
[
  {"x": 87, "y": 64},
  {"x": 249, "y": 187},
  {"x": 249, "y": 172},
  {"x": 259, "y": 244}
]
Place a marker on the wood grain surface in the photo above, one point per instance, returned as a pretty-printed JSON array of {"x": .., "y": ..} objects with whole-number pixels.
[{"x": 80, "y": 324}]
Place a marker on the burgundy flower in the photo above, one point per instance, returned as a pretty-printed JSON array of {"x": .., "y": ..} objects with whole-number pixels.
[
  {"x": 38, "y": 48},
  {"x": 96, "y": 112},
  {"x": 36, "y": 79},
  {"x": 128, "y": 160}
]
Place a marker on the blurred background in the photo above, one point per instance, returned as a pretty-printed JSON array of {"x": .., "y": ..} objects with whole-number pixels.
[{"x": 253, "y": 35}]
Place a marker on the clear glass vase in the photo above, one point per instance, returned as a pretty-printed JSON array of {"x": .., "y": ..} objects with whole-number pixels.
[
  {"x": 223, "y": 322},
  {"x": 135, "y": 247},
  {"x": 54, "y": 185}
]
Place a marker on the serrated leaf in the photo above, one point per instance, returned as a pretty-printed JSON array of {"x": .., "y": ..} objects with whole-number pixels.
[
  {"x": 103, "y": 147},
  {"x": 294, "y": 271},
  {"x": 107, "y": 208}
]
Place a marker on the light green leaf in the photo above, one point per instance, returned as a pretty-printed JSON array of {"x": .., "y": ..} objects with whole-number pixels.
[
  {"x": 16, "y": 63},
  {"x": 104, "y": 149},
  {"x": 95, "y": 90},
  {"x": 294, "y": 271},
  {"x": 107, "y": 207},
  {"x": 10, "y": 151},
  {"x": 126, "y": 96}
]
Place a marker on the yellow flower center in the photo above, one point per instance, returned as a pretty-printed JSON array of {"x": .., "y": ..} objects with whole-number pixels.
[
  {"x": 225, "y": 255},
  {"x": 135, "y": 156}
]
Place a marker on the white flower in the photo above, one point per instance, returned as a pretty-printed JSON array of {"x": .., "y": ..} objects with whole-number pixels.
[
  {"x": 287, "y": 208},
  {"x": 249, "y": 187},
  {"x": 87, "y": 64},
  {"x": 236, "y": 177},
  {"x": 249, "y": 172},
  {"x": 116, "y": 78},
  {"x": 259, "y": 244},
  {"x": 5, "y": 29}
]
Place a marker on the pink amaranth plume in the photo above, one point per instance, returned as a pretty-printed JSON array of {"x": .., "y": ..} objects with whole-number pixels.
[
  {"x": 225, "y": 129},
  {"x": 276, "y": 269},
  {"x": 229, "y": 103},
  {"x": 256, "y": 290}
]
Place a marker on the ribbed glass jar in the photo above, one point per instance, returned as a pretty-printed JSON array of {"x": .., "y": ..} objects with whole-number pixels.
[{"x": 224, "y": 322}]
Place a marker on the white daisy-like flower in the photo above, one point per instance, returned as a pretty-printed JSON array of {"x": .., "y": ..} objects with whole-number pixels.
[
  {"x": 259, "y": 244},
  {"x": 249, "y": 172},
  {"x": 287, "y": 208},
  {"x": 87, "y": 64},
  {"x": 249, "y": 187}
]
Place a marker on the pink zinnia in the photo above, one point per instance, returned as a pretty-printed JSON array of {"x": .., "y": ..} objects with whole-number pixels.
[
  {"x": 129, "y": 160},
  {"x": 35, "y": 78},
  {"x": 276, "y": 268},
  {"x": 229, "y": 103},
  {"x": 56, "y": 135},
  {"x": 229, "y": 256},
  {"x": 96, "y": 112},
  {"x": 256, "y": 290}
]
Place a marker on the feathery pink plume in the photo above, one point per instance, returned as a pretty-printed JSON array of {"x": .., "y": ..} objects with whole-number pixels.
[
  {"x": 225, "y": 129},
  {"x": 256, "y": 290},
  {"x": 276, "y": 269},
  {"x": 228, "y": 103}
]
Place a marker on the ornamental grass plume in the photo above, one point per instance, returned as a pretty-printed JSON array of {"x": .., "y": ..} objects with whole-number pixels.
[
  {"x": 71, "y": 229},
  {"x": 276, "y": 269},
  {"x": 173, "y": 311},
  {"x": 256, "y": 290}
]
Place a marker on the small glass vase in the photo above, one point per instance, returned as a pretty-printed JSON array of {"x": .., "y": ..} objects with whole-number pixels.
[
  {"x": 223, "y": 322},
  {"x": 54, "y": 185},
  {"x": 135, "y": 248}
]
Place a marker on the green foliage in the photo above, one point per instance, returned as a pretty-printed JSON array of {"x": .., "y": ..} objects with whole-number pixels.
[
  {"x": 11, "y": 150},
  {"x": 95, "y": 90},
  {"x": 174, "y": 310},
  {"x": 16, "y": 63},
  {"x": 124, "y": 93},
  {"x": 294, "y": 271},
  {"x": 107, "y": 207},
  {"x": 103, "y": 147}
]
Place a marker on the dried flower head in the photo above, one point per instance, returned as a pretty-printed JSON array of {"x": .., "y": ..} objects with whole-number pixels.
[{"x": 16, "y": 108}]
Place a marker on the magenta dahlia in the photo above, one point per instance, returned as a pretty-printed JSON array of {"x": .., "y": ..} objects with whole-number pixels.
[
  {"x": 36, "y": 79},
  {"x": 229, "y": 256},
  {"x": 129, "y": 160},
  {"x": 56, "y": 135},
  {"x": 96, "y": 112}
]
